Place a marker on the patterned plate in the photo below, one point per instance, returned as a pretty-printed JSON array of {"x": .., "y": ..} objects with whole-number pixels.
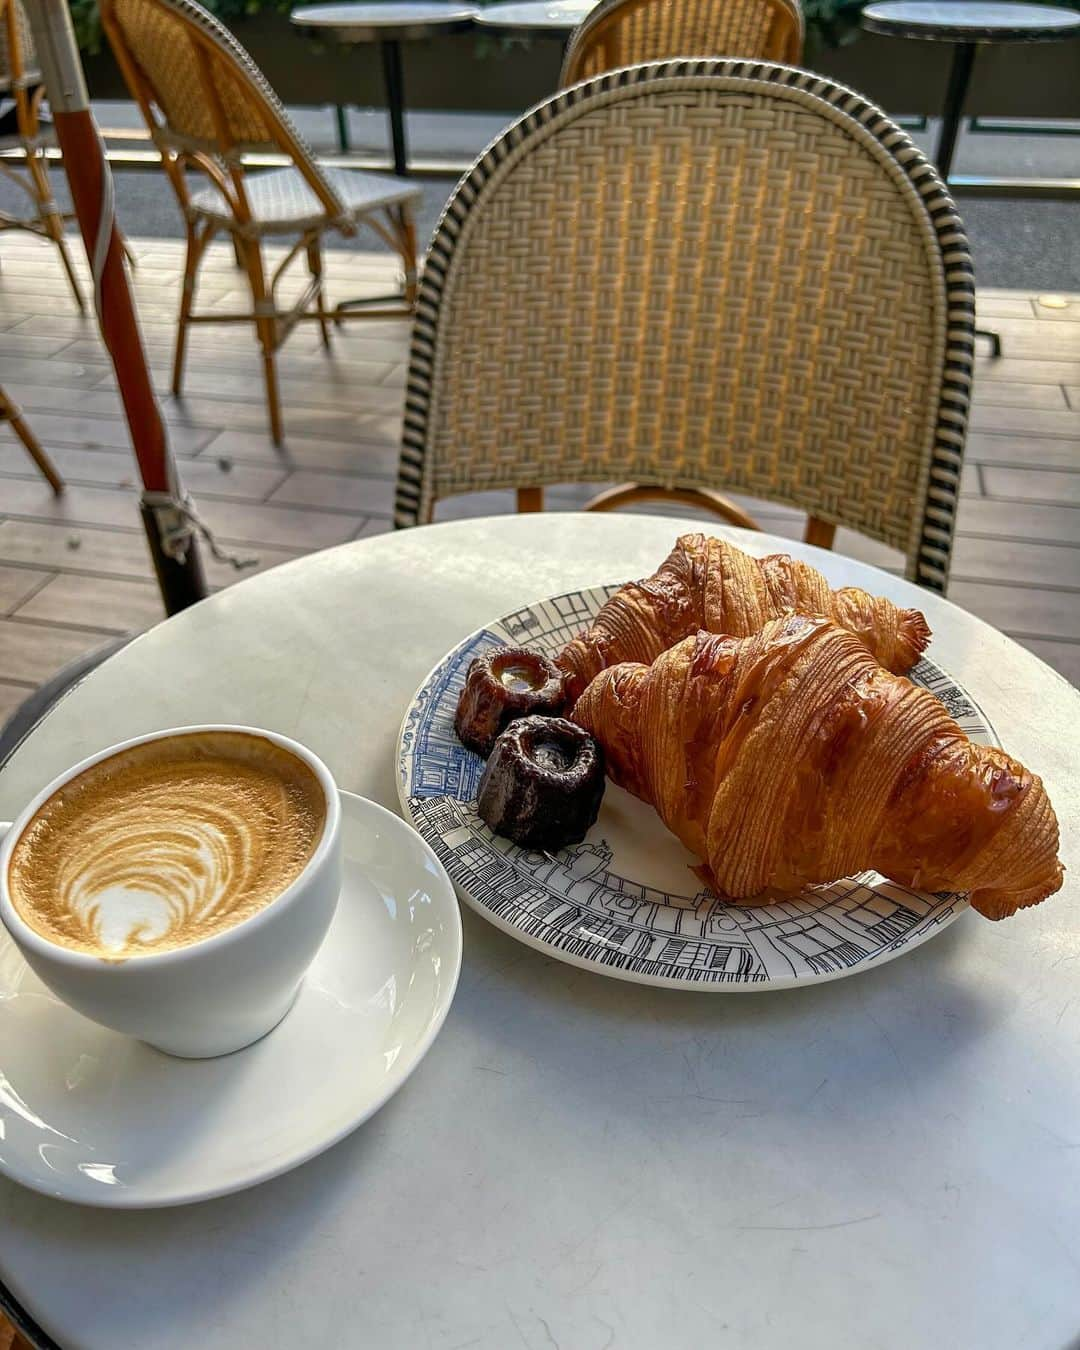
[{"x": 625, "y": 902}]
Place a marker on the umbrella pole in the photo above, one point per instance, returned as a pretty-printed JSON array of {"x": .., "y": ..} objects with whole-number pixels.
[{"x": 173, "y": 546}]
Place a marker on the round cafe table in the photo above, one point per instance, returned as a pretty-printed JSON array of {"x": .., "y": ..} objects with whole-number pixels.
[
  {"x": 534, "y": 18},
  {"x": 889, "y": 1160},
  {"x": 966, "y": 25},
  {"x": 389, "y": 23}
]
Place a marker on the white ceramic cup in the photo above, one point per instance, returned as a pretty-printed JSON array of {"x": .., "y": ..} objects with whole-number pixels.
[{"x": 212, "y": 996}]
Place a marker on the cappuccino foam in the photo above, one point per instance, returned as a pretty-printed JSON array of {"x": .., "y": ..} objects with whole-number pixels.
[{"x": 166, "y": 843}]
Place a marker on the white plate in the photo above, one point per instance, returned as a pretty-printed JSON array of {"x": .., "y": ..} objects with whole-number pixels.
[
  {"x": 95, "y": 1117},
  {"x": 625, "y": 902}
]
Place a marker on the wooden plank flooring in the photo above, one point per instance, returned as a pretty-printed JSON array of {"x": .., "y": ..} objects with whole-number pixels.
[{"x": 74, "y": 572}]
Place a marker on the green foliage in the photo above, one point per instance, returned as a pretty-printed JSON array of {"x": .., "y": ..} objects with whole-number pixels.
[
  {"x": 87, "y": 19},
  {"x": 829, "y": 23}
]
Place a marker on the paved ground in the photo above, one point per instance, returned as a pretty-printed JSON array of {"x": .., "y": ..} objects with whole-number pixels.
[
  {"x": 1025, "y": 244},
  {"x": 74, "y": 571}
]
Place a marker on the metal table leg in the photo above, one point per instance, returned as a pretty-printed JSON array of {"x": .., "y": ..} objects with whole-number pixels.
[
  {"x": 342, "y": 128},
  {"x": 395, "y": 101},
  {"x": 955, "y": 97}
]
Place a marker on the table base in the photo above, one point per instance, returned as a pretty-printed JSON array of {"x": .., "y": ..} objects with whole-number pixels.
[
  {"x": 390, "y": 50},
  {"x": 956, "y": 92}
]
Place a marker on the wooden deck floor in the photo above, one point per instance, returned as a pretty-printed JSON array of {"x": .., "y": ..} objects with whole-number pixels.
[{"x": 74, "y": 571}]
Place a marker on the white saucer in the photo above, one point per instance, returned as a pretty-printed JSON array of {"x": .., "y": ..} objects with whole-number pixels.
[{"x": 95, "y": 1117}]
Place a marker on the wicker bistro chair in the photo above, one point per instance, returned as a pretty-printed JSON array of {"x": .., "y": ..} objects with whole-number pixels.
[
  {"x": 9, "y": 412},
  {"x": 628, "y": 32},
  {"x": 208, "y": 106},
  {"x": 22, "y": 148},
  {"x": 700, "y": 274}
]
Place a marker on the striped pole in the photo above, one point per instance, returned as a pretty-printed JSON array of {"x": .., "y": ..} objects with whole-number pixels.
[{"x": 166, "y": 511}]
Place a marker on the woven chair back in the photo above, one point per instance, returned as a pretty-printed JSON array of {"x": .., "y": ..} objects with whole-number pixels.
[
  {"x": 17, "y": 55},
  {"x": 630, "y": 32},
  {"x": 200, "y": 90},
  {"x": 701, "y": 274}
]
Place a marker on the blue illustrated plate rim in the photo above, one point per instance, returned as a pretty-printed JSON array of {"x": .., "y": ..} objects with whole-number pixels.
[{"x": 625, "y": 903}]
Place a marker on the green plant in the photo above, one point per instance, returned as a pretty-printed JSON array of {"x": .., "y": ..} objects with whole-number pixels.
[
  {"x": 830, "y": 23},
  {"x": 87, "y": 19}
]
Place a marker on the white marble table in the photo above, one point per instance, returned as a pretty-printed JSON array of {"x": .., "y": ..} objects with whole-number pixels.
[{"x": 891, "y": 1160}]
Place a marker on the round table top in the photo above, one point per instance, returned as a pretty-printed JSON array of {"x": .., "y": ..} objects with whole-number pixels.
[
  {"x": 396, "y": 20},
  {"x": 536, "y": 17},
  {"x": 581, "y": 1161},
  {"x": 970, "y": 21}
]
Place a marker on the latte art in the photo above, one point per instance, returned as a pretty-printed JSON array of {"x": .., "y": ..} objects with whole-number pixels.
[{"x": 167, "y": 843}]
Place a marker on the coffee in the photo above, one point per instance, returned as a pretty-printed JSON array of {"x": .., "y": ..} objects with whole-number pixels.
[{"x": 166, "y": 843}]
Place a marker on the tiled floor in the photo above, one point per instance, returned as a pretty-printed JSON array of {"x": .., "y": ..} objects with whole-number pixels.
[{"x": 74, "y": 571}]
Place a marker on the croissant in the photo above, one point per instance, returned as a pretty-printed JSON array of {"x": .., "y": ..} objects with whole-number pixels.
[
  {"x": 790, "y": 758},
  {"x": 709, "y": 584}
]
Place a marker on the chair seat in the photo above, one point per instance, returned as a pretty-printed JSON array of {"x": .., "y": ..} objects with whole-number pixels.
[{"x": 282, "y": 202}]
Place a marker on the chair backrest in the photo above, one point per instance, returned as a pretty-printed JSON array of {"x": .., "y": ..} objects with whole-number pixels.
[
  {"x": 629, "y": 32},
  {"x": 701, "y": 274},
  {"x": 200, "y": 92},
  {"x": 18, "y": 60}
]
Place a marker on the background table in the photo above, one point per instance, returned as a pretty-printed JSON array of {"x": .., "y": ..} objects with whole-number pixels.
[
  {"x": 389, "y": 24},
  {"x": 966, "y": 24},
  {"x": 891, "y": 1160},
  {"x": 534, "y": 18}
]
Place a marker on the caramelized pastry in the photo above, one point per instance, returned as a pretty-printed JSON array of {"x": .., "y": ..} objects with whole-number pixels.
[
  {"x": 791, "y": 758},
  {"x": 501, "y": 685},
  {"x": 543, "y": 783},
  {"x": 710, "y": 584}
]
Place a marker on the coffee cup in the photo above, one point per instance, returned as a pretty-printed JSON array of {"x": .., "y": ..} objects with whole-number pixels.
[{"x": 188, "y": 927}]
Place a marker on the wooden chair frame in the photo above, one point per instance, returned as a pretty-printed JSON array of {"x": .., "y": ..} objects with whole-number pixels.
[
  {"x": 23, "y": 83},
  {"x": 222, "y": 163},
  {"x": 9, "y": 412}
]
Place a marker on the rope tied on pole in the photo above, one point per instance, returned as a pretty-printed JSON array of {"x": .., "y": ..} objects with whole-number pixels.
[{"x": 179, "y": 522}]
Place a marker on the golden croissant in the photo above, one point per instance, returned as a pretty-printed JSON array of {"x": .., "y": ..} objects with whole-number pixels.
[
  {"x": 791, "y": 758},
  {"x": 710, "y": 584}
]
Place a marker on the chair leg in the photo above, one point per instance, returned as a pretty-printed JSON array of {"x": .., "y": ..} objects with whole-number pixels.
[
  {"x": 52, "y": 221},
  {"x": 196, "y": 247},
  {"x": 266, "y": 328},
  {"x": 65, "y": 258},
  {"x": 315, "y": 266},
  {"x": 819, "y": 532},
  {"x": 187, "y": 289},
  {"x": 404, "y": 227},
  {"x": 530, "y": 499},
  {"x": 10, "y": 413},
  {"x": 700, "y": 497}
]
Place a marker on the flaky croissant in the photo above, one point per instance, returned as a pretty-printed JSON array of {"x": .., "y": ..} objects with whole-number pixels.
[
  {"x": 790, "y": 758},
  {"x": 710, "y": 584}
]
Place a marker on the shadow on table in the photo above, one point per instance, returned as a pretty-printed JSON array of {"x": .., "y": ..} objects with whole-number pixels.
[{"x": 878, "y": 1036}]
